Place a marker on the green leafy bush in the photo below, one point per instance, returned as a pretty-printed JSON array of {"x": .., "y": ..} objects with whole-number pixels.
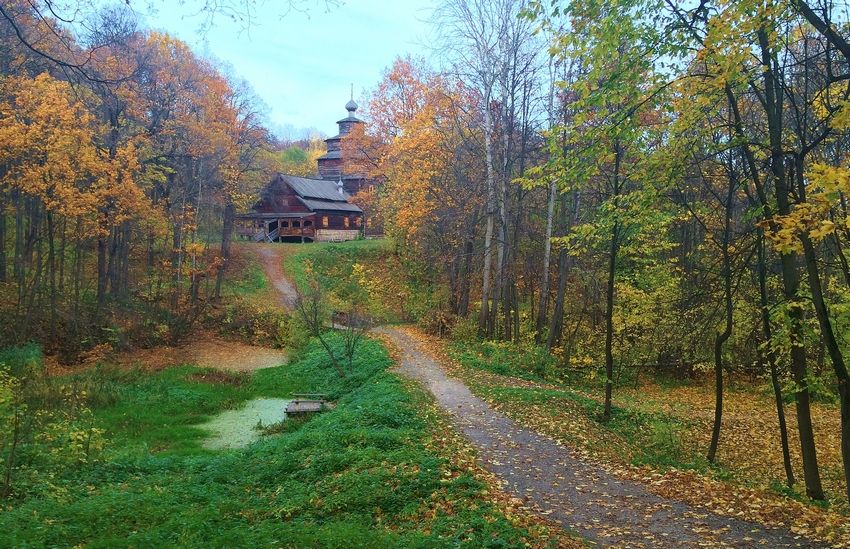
[
  {"x": 438, "y": 322},
  {"x": 466, "y": 329},
  {"x": 45, "y": 425},
  {"x": 17, "y": 360},
  {"x": 257, "y": 324}
]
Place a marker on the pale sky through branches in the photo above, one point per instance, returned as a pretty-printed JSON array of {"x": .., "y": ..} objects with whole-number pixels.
[{"x": 303, "y": 64}]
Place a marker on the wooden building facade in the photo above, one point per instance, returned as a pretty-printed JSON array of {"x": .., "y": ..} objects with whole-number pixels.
[
  {"x": 298, "y": 209},
  {"x": 332, "y": 164}
]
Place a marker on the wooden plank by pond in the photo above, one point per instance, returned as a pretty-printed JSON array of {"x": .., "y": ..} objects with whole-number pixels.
[{"x": 307, "y": 406}]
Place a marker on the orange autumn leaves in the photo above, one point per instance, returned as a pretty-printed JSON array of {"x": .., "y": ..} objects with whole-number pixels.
[
  {"x": 50, "y": 150},
  {"x": 418, "y": 124},
  {"x": 59, "y": 147}
]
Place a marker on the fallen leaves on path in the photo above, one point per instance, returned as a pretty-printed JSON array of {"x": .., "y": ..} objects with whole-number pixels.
[
  {"x": 462, "y": 458},
  {"x": 272, "y": 257},
  {"x": 567, "y": 423}
]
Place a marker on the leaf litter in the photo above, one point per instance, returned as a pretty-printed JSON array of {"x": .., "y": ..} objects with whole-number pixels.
[{"x": 607, "y": 501}]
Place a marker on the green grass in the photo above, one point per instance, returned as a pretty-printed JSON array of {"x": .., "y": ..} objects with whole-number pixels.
[
  {"x": 162, "y": 412},
  {"x": 17, "y": 359},
  {"x": 358, "y": 476},
  {"x": 252, "y": 281},
  {"x": 653, "y": 437},
  {"x": 390, "y": 294},
  {"x": 325, "y": 256},
  {"x": 529, "y": 362}
]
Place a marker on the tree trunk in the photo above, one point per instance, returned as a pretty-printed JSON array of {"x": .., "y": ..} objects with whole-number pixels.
[
  {"x": 36, "y": 280},
  {"x": 63, "y": 246},
  {"x": 771, "y": 358},
  {"x": 18, "y": 263},
  {"x": 2, "y": 239},
  {"x": 827, "y": 332},
  {"x": 78, "y": 269},
  {"x": 501, "y": 259},
  {"x": 484, "y": 313},
  {"x": 835, "y": 354},
  {"x": 51, "y": 276},
  {"x": 124, "y": 264},
  {"x": 463, "y": 301},
  {"x": 112, "y": 262},
  {"x": 569, "y": 215},
  {"x": 790, "y": 274},
  {"x": 226, "y": 235},
  {"x": 609, "y": 321},
  {"x": 543, "y": 306},
  {"x": 721, "y": 338},
  {"x": 515, "y": 301},
  {"x": 177, "y": 259},
  {"x": 609, "y": 291},
  {"x": 102, "y": 269}
]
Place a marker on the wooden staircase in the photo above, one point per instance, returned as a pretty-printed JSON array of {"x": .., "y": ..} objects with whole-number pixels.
[{"x": 268, "y": 237}]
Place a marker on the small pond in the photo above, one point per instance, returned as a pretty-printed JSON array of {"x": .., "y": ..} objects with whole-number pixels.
[{"x": 238, "y": 428}]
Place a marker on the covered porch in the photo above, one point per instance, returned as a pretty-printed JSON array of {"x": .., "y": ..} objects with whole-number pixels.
[{"x": 276, "y": 227}]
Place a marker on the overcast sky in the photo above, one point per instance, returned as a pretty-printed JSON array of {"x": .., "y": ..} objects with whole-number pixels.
[{"x": 302, "y": 65}]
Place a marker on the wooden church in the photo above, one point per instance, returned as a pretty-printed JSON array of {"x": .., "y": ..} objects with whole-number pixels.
[{"x": 300, "y": 209}]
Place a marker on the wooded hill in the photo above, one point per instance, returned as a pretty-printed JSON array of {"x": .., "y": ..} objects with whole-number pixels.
[{"x": 124, "y": 158}]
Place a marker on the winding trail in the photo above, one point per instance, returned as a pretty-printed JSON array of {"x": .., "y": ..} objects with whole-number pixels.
[
  {"x": 272, "y": 256},
  {"x": 577, "y": 495}
]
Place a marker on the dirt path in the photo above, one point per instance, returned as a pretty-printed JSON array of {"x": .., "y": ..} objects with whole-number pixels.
[
  {"x": 577, "y": 495},
  {"x": 272, "y": 256}
]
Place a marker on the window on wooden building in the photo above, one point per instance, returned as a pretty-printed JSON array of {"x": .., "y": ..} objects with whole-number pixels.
[
  {"x": 345, "y": 222},
  {"x": 324, "y": 221},
  {"x": 296, "y": 223},
  {"x": 358, "y": 221}
]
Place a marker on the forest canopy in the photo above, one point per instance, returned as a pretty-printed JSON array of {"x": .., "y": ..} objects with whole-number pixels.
[{"x": 114, "y": 180}]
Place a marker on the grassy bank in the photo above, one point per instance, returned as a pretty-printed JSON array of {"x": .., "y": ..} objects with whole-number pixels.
[
  {"x": 325, "y": 256},
  {"x": 249, "y": 308},
  {"x": 366, "y": 273},
  {"x": 366, "y": 474}
]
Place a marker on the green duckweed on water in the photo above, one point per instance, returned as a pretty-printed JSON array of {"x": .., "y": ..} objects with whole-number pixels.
[{"x": 239, "y": 428}]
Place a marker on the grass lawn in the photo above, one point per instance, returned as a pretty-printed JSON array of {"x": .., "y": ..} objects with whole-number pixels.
[
  {"x": 326, "y": 254},
  {"x": 375, "y": 472},
  {"x": 365, "y": 272}
]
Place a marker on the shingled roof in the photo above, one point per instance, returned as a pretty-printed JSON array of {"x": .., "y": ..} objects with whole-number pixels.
[
  {"x": 320, "y": 194},
  {"x": 325, "y": 205},
  {"x": 331, "y": 155}
]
